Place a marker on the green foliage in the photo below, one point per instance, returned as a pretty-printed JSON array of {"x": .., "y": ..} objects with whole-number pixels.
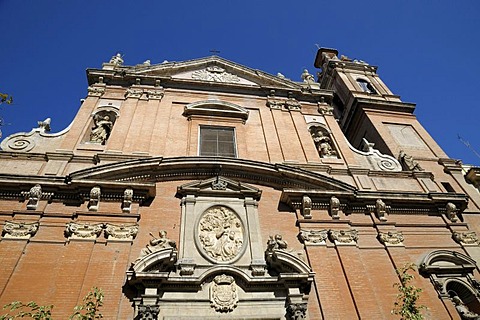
[
  {"x": 406, "y": 305},
  {"x": 5, "y": 98},
  {"x": 91, "y": 304},
  {"x": 89, "y": 310}
]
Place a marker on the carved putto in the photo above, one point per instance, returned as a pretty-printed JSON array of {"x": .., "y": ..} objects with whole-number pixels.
[
  {"x": 148, "y": 312},
  {"x": 85, "y": 231},
  {"x": 121, "y": 232},
  {"x": 451, "y": 211},
  {"x": 276, "y": 243},
  {"x": 127, "y": 200},
  {"x": 323, "y": 142},
  {"x": 157, "y": 244},
  {"x": 343, "y": 236},
  {"x": 19, "y": 230},
  {"x": 94, "y": 201},
  {"x": 220, "y": 234},
  {"x": 381, "y": 210},
  {"x": 408, "y": 162},
  {"x": 223, "y": 293},
  {"x": 102, "y": 126},
  {"x": 34, "y": 195},
  {"x": 466, "y": 238},
  {"x": 391, "y": 237},
  {"x": 216, "y": 74},
  {"x": 306, "y": 207},
  {"x": 297, "y": 311},
  {"x": 334, "y": 207},
  {"x": 313, "y": 237}
]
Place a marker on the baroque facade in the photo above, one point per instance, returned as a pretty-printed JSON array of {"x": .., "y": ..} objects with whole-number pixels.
[{"x": 205, "y": 189}]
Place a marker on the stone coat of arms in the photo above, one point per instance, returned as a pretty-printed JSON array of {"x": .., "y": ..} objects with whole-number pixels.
[{"x": 223, "y": 293}]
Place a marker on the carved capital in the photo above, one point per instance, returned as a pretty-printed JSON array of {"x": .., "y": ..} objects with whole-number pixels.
[
  {"x": 466, "y": 238},
  {"x": 343, "y": 237},
  {"x": 19, "y": 230},
  {"x": 85, "y": 231},
  {"x": 133, "y": 93},
  {"x": 273, "y": 103},
  {"x": 297, "y": 311},
  {"x": 148, "y": 312},
  {"x": 393, "y": 238},
  {"x": 325, "y": 109},
  {"x": 95, "y": 91},
  {"x": 121, "y": 232},
  {"x": 292, "y": 104},
  {"x": 313, "y": 237},
  {"x": 155, "y": 94}
]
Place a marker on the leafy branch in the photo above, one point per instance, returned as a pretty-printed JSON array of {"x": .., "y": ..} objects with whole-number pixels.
[{"x": 406, "y": 304}]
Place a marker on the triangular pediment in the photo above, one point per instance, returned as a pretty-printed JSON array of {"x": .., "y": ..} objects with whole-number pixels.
[
  {"x": 219, "y": 186},
  {"x": 214, "y": 69}
]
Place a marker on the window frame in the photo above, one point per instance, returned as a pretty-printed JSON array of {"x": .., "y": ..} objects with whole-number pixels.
[{"x": 234, "y": 141}]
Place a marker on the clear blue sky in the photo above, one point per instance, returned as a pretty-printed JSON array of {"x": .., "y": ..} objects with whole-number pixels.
[{"x": 426, "y": 50}]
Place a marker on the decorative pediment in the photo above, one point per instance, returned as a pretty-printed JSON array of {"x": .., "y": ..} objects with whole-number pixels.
[
  {"x": 219, "y": 186},
  {"x": 447, "y": 262},
  {"x": 215, "y": 108}
]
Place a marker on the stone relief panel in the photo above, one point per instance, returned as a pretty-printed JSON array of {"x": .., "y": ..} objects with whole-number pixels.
[
  {"x": 19, "y": 230},
  {"x": 216, "y": 74},
  {"x": 391, "y": 238},
  {"x": 223, "y": 293},
  {"x": 221, "y": 234},
  {"x": 466, "y": 238}
]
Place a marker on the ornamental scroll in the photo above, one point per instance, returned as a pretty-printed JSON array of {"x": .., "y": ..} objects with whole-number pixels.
[{"x": 221, "y": 234}]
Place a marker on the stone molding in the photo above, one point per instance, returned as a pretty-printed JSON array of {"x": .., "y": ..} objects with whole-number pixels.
[
  {"x": 19, "y": 230},
  {"x": 391, "y": 238},
  {"x": 121, "y": 232},
  {"x": 83, "y": 231},
  {"x": 343, "y": 237},
  {"x": 313, "y": 237},
  {"x": 468, "y": 238}
]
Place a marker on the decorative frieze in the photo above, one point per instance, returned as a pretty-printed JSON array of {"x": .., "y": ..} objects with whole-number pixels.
[
  {"x": 121, "y": 232},
  {"x": 84, "y": 231},
  {"x": 215, "y": 74},
  {"x": 343, "y": 237},
  {"x": 466, "y": 238},
  {"x": 223, "y": 293},
  {"x": 19, "y": 230},
  {"x": 391, "y": 238},
  {"x": 313, "y": 237}
]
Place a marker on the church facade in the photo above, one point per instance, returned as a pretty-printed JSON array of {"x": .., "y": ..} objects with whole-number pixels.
[{"x": 205, "y": 189}]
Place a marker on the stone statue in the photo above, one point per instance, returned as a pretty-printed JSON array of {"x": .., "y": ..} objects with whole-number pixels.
[
  {"x": 34, "y": 195},
  {"x": 408, "y": 162},
  {"x": 157, "y": 244},
  {"x": 381, "y": 210},
  {"x": 463, "y": 310},
  {"x": 323, "y": 143},
  {"x": 276, "y": 243},
  {"x": 307, "y": 77},
  {"x": 116, "y": 60},
  {"x": 101, "y": 129}
]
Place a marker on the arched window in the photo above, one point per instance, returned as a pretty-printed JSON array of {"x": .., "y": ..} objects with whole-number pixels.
[{"x": 366, "y": 86}]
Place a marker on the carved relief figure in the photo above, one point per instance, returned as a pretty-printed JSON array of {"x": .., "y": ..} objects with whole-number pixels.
[
  {"x": 101, "y": 129},
  {"x": 276, "y": 243},
  {"x": 408, "y": 162},
  {"x": 157, "y": 244},
  {"x": 221, "y": 233},
  {"x": 34, "y": 195},
  {"x": 463, "y": 310},
  {"x": 381, "y": 210},
  {"x": 322, "y": 142}
]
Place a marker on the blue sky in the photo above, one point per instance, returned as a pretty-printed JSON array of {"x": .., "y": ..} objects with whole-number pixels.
[{"x": 425, "y": 50}]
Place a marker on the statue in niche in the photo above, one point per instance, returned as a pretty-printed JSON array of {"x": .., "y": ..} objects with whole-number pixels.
[
  {"x": 157, "y": 244},
  {"x": 463, "y": 310},
  {"x": 322, "y": 142},
  {"x": 408, "y": 162},
  {"x": 221, "y": 233},
  {"x": 101, "y": 129}
]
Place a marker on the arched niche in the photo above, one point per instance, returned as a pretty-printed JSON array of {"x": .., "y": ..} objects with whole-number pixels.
[{"x": 101, "y": 124}]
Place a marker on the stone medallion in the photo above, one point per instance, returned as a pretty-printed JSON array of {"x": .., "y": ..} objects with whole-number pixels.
[
  {"x": 223, "y": 293},
  {"x": 220, "y": 234}
]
